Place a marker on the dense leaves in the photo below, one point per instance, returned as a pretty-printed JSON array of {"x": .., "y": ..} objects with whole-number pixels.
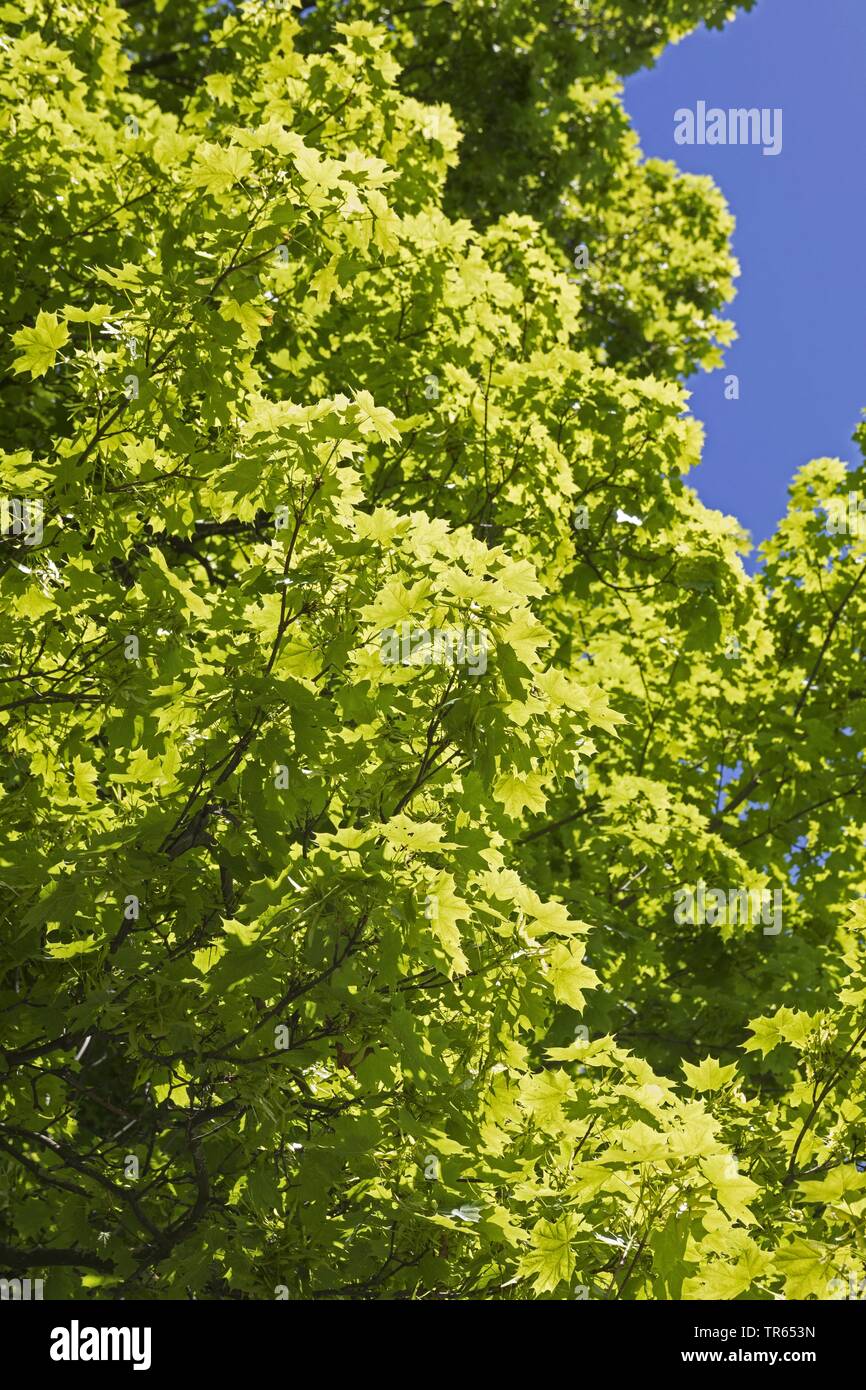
[{"x": 374, "y": 686}]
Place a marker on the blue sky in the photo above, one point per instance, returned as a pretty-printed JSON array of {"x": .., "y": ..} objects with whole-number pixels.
[{"x": 800, "y": 308}]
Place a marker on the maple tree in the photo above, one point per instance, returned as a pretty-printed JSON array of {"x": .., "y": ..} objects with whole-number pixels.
[{"x": 332, "y": 976}]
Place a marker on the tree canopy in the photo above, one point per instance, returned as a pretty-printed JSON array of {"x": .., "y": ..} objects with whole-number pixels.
[{"x": 341, "y": 955}]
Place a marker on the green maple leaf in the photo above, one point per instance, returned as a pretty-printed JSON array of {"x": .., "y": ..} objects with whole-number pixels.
[
  {"x": 218, "y": 168},
  {"x": 719, "y": 1280},
  {"x": 569, "y": 976},
  {"x": 243, "y": 932},
  {"x": 836, "y": 1186},
  {"x": 551, "y": 1260},
  {"x": 445, "y": 909},
  {"x": 807, "y": 1267},
  {"x": 374, "y": 419},
  {"x": 40, "y": 344},
  {"x": 732, "y": 1188},
  {"x": 709, "y": 1075}
]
